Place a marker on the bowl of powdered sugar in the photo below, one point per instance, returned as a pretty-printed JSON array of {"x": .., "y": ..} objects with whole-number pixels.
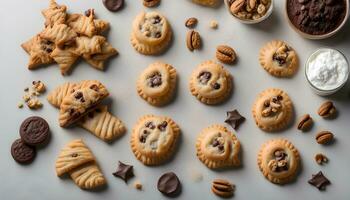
[{"x": 327, "y": 71}]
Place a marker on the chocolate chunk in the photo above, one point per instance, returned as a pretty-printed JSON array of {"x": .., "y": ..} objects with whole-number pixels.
[
  {"x": 163, "y": 126},
  {"x": 34, "y": 131},
  {"x": 319, "y": 180},
  {"x": 216, "y": 86},
  {"x": 155, "y": 80},
  {"x": 234, "y": 119},
  {"x": 113, "y": 5},
  {"x": 280, "y": 155},
  {"x": 22, "y": 153},
  {"x": 144, "y": 136},
  {"x": 169, "y": 184},
  {"x": 150, "y": 125},
  {"x": 89, "y": 12},
  {"x": 124, "y": 171},
  {"x": 204, "y": 77}
]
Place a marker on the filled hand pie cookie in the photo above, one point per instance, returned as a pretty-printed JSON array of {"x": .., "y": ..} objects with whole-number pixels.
[
  {"x": 151, "y": 33},
  {"x": 217, "y": 147},
  {"x": 211, "y": 83},
  {"x": 157, "y": 83},
  {"x": 279, "y": 161},
  {"x": 279, "y": 59},
  {"x": 273, "y": 110},
  {"x": 154, "y": 139}
]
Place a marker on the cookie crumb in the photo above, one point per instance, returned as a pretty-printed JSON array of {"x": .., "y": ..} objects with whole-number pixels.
[
  {"x": 39, "y": 87},
  {"x": 321, "y": 159},
  {"x": 214, "y": 24},
  {"x": 20, "y": 105},
  {"x": 138, "y": 185},
  {"x": 34, "y": 104}
]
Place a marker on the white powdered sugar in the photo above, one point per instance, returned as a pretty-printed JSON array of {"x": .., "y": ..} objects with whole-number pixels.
[{"x": 327, "y": 69}]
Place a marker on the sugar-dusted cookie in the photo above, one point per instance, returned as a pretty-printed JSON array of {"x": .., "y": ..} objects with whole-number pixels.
[
  {"x": 279, "y": 59},
  {"x": 73, "y": 155},
  {"x": 154, "y": 139},
  {"x": 156, "y": 84},
  {"x": 151, "y": 33},
  {"x": 279, "y": 161},
  {"x": 206, "y": 2},
  {"x": 39, "y": 50},
  {"x": 60, "y": 34},
  {"x": 97, "y": 60},
  {"x": 211, "y": 83},
  {"x": 65, "y": 58},
  {"x": 102, "y": 124},
  {"x": 80, "y": 101},
  {"x": 55, "y": 14},
  {"x": 273, "y": 110},
  {"x": 88, "y": 176},
  {"x": 217, "y": 147}
]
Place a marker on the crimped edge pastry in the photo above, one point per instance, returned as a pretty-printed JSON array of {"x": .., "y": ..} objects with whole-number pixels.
[
  {"x": 266, "y": 56},
  {"x": 287, "y": 108},
  {"x": 235, "y": 146},
  {"x": 152, "y": 157},
  {"x": 158, "y": 99},
  {"x": 265, "y": 153},
  {"x": 211, "y": 100}
]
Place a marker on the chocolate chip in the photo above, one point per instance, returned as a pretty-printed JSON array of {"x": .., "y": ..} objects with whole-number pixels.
[
  {"x": 113, "y": 5},
  {"x": 78, "y": 95},
  {"x": 157, "y": 19},
  {"x": 158, "y": 35},
  {"x": 234, "y": 119},
  {"x": 215, "y": 143},
  {"x": 319, "y": 181},
  {"x": 221, "y": 147},
  {"x": 74, "y": 155},
  {"x": 155, "y": 80},
  {"x": 150, "y": 125},
  {"x": 144, "y": 136},
  {"x": 163, "y": 126},
  {"x": 91, "y": 115},
  {"x": 89, "y": 12},
  {"x": 204, "y": 77},
  {"x": 94, "y": 87},
  {"x": 124, "y": 171},
  {"x": 216, "y": 86}
]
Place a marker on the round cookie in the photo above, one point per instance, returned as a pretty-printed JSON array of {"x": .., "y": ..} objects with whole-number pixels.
[
  {"x": 279, "y": 59},
  {"x": 156, "y": 84},
  {"x": 279, "y": 161},
  {"x": 273, "y": 110},
  {"x": 151, "y": 33},
  {"x": 211, "y": 83},
  {"x": 217, "y": 147},
  {"x": 206, "y": 2},
  {"x": 34, "y": 131},
  {"x": 154, "y": 138},
  {"x": 22, "y": 153}
]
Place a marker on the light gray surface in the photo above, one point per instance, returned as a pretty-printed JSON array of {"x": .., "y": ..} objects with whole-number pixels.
[{"x": 20, "y": 20}]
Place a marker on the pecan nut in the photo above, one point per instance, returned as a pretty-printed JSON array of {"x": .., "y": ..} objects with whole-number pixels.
[
  {"x": 237, "y": 5},
  {"x": 320, "y": 158},
  {"x": 193, "y": 40},
  {"x": 327, "y": 109},
  {"x": 305, "y": 123},
  {"x": 222, "y": 188},
  {"x": 225, "y": 54},
  {"x": 151, "y": 3},
  {"x": 191, "y": 22},
  {"x": 324, "y": 137}
]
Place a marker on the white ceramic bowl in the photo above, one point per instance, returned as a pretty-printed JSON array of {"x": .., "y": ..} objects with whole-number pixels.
[
  {"x": 317, "y": 90},
  {"x": 318, "y": 37},
  {"x": 251, "y": 21}
]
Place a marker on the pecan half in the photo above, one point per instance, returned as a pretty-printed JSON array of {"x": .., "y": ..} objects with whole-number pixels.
[
  {"x": 151, "y": 3},
  {"x": 222, "y": 188},
  {"x": 193, "y": 40},
  {"x": 327, "y": 109},
  {"x": 237, "y": 5},
  {"x": 191, "y": 22},
  {"x": 305, "y": 123},
  {"x": 324, "y": 137},
  {"x": 225, "y": 54},
  {"x": 320, "y": 158}
]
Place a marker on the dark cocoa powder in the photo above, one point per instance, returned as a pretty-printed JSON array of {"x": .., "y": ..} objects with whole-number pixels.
[{"x": 316, "y": 17}]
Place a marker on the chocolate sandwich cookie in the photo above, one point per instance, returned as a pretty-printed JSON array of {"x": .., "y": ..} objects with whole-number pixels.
[
  {"x": 169, "y": 184},
  {"x": 34, "y": 131},
  {"x": 113, "y": 5},
  {"x": 21, "y": 152}
]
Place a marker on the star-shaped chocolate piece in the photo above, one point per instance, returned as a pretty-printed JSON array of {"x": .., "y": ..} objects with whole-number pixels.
[
  {"x": 319, "y": 180},
  {"x": 124, "y": 171},
  {"x": 234, "y": 119}
]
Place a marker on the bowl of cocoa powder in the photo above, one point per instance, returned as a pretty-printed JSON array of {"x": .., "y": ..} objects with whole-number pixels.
[{"x": 317, "y": 19}]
